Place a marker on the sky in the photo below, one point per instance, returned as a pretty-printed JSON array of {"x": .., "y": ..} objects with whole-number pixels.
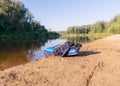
[{"x": 58, "y": 15}]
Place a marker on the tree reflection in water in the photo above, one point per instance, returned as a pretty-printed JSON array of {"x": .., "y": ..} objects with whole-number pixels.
[
  {"x": 79, "y": 39},
  {"x": 18, "y": 52},
  {"x": 14, "y": 53}
]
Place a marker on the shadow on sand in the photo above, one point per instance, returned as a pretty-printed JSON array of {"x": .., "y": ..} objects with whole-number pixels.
[{"x": 86, "y": 53}]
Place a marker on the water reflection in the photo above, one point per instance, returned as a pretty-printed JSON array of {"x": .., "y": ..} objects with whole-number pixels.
[
  {"x": 79, "y": 39},
  {"x": 18, "y": 52},
  {"x": 14, "y": 53},
  {"x": 21, "y": 52}
]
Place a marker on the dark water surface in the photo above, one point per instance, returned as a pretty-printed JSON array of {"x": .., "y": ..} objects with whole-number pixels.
[{"x": 20, "y": 52}]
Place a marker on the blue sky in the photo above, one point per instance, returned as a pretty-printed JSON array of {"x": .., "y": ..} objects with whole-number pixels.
[{"x": 59, "y": 14}]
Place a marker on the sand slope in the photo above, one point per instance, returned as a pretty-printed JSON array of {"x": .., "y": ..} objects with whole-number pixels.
[{"x": 98, "y": 65}]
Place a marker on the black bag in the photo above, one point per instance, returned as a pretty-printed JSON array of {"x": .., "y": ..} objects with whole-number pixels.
[{"x": 63, "y": 49}]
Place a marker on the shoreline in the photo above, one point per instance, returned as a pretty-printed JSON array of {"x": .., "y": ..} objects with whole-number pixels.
[{"x": 96, "y": 65}]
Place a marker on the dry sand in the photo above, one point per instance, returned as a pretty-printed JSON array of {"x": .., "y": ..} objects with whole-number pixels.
[{"x": 97, "y": 65}]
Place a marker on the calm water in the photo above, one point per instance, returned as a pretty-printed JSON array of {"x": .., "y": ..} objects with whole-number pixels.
[{"x": 21, "y": 52}]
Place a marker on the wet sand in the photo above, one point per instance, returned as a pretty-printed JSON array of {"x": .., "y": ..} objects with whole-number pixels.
[{"x": 97, "y": 65}]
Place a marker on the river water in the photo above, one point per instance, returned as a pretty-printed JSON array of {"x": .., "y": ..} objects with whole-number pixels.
[{"x": 13, "y": 53}]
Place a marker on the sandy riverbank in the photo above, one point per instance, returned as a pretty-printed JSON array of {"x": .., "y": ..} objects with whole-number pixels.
[{"x": 98, "y": 65}]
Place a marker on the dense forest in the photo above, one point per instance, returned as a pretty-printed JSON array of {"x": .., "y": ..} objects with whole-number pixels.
[
  {"x": 113, "y": 26},
  {"x": 17, "y": 22}
]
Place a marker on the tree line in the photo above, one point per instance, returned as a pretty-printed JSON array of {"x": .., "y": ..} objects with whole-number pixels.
[
  {"x": 113, "y": 26},
  {"x": 15, "y": 18}
]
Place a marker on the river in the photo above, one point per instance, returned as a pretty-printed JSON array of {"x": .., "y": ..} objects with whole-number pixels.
[{"x": 13, "y": 53}]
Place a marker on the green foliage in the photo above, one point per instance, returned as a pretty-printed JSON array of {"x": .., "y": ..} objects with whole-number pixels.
[
  {"x": 53, "y": 34},
  {"x": 113, "y": 26},
  {"x": 15, "y": 17},
  {"x": 98, "y": 27},
  {"x": 16, "y": 21},
  {"x": 78, "y": 29}
]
